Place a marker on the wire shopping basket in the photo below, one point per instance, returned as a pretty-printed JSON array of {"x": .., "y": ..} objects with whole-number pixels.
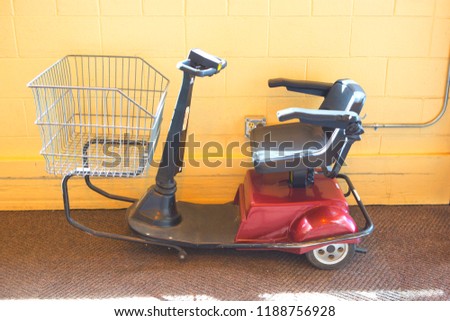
[{"x": 99, "y": 115}]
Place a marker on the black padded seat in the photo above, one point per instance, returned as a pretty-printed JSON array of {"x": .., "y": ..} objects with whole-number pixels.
[
  {"x": 279, "y": 140},
  {"x": 302, "y": 139}
]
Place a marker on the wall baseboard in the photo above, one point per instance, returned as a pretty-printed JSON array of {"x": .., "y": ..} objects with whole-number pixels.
[{"x": 394, "y": 179}]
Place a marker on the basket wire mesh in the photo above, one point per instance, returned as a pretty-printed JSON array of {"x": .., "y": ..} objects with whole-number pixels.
[{"x": 99, "y": 115}]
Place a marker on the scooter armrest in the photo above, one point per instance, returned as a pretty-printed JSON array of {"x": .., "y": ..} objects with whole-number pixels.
[
  {"x": 302, "y": 86},
  {"x": 325, "y": 118}
]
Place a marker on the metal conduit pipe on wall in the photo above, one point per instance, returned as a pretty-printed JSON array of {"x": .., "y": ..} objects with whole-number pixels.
[{"x": 419, "y": 125}]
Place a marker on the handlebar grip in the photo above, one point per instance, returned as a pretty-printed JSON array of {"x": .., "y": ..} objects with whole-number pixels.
[
  {"x": 185, "y": 65},
  {"x": 202, "y": 64}
]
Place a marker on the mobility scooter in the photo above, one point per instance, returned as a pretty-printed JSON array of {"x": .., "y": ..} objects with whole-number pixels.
[{"x": 93, "y": 108}]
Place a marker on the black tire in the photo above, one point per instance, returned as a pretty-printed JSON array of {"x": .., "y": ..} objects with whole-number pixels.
[{"x": 331, "y": 256}]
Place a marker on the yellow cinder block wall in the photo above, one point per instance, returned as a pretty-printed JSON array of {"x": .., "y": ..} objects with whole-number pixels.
[{"x": 398, "y": 50}]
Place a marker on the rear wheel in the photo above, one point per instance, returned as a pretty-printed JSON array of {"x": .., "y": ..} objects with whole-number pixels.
[{"x": 331, "y": 256}]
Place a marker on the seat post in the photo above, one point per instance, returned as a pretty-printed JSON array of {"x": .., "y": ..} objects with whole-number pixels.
[{"x": 301, "y": 178}]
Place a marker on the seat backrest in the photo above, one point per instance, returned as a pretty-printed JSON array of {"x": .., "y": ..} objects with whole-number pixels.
[{"x": 345, "y": 94}]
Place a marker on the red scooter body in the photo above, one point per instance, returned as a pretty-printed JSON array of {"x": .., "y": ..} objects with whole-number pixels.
[{"x": 274, "y": 212}]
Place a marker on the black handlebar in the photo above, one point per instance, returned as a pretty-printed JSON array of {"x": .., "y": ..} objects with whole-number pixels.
[{"x": 202, "y": 64}]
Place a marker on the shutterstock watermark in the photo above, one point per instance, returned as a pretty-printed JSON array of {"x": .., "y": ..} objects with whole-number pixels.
[{"x": 128, "y": 151}]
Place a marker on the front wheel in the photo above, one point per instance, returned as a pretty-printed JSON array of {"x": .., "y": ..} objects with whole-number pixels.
[{"x": 331, "y": 256}]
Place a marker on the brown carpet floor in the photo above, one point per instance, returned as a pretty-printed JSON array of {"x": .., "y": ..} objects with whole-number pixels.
[{"x": 41, "y": 256}]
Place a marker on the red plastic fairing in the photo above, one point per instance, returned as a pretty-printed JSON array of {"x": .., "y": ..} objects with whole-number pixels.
[
  {"x": 321, "y": 222},
  {"x": 272, "y": 211}
]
